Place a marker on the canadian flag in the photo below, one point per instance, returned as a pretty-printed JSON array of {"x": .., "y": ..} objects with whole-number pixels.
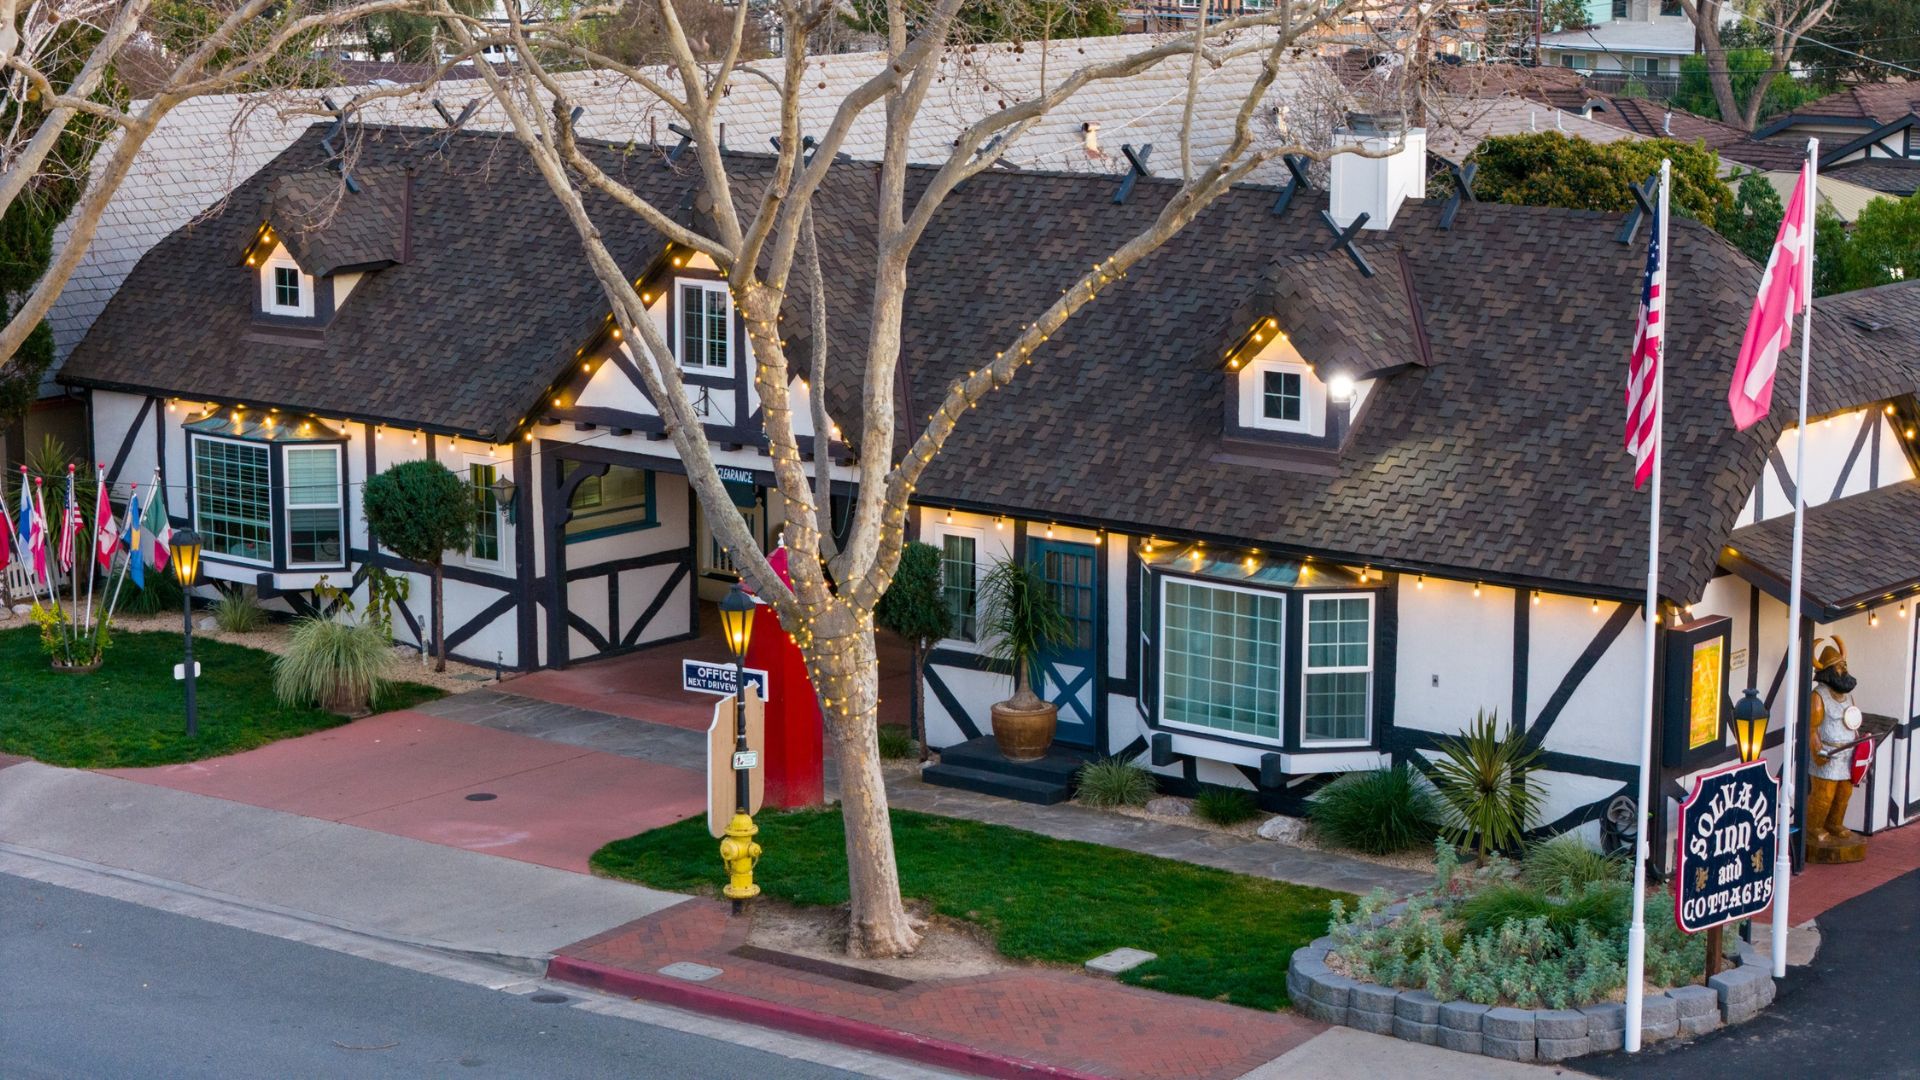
[
  {"x": 1784, "y": 290},
  {"x": 106, "y": 538}
]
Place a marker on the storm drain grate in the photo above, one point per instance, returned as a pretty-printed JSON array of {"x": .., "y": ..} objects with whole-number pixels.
[{"x": 482, "y": 796}]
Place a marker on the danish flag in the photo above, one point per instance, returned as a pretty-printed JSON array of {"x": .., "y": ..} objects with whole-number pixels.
[
  {"x": 1783, "y": 294},
  {"x": 1643, "y": 364}
]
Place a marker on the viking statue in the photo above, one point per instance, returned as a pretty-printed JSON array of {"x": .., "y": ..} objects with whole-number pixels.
[{"x": 1836, "y": 722}]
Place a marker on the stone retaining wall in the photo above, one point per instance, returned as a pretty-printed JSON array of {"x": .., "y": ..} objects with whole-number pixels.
[{"x": 1730, "y": 997}]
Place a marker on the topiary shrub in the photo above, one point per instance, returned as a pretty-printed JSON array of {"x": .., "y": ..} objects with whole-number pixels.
[
  {"x": 1379, "y": 811},
  {"x": 1225, "y": 805},
  {"x": 1114, "y": 782},
  {"x": 333, "y": 663},
  {"x": 420, "y": 510},
  {"x": 237, "y": 613},
  {"x": 915, "y": 607}
]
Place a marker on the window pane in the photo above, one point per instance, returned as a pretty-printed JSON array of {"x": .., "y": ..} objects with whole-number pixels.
[
  {"x": 1336, "y": 706},
  {"x": 313, "y": 536},
  {"x": 1220, "y": 654},
  {"x": 286, "y": 286},
  {"x": 313, "y": 477},
  {"x": 486, "y": 513},
  {"x": 1281, "y": 399},
  {"x": 959, "y": 579},
  {"x": 619, "y": 501},
  {"x": 1339, "y": 630},
  {"x": 232, "y": 498},
  {"x": 703, "y": 326}
]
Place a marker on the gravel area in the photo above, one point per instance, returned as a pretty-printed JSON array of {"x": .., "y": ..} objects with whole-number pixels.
[
  {"x": 404, "y": 666},
  {"x": 1419, "y": 860}
]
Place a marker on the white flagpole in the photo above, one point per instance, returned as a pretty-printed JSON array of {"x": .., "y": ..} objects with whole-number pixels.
[
  {"x": 1783, "y": 856},
  {"x": 1650, "y": 617}
]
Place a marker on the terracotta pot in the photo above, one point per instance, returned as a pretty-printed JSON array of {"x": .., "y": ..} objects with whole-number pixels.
[
  {"x": 78, "y": 669},
  {"x": 1024, "y": 734}
]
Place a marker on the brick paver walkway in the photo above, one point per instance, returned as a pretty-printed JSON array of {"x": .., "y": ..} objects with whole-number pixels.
[
  {"x": 1045, "y": 1015},
  {"x": 1891, "y": 853}
]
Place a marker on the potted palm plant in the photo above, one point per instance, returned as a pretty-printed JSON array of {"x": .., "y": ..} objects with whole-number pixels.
[{"x": 1020, "y": 619}]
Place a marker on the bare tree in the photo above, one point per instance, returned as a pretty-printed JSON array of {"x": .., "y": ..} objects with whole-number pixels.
[
  {"x": 185, "y": 49},
  {"x": 760, "y": 236},
  {"x": 1780, "y": 24}
]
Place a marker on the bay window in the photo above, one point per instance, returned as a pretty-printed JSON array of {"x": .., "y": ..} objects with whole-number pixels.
[
  {"x": 1338, "y": 669},
  {"x": 315, "y": 522},
  {"x": 233, "y": 499},
  {"x": 1257, "y": 651}
]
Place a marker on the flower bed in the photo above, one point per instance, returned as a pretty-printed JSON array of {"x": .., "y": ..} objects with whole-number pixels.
[{"x": 1503, "y": 963}]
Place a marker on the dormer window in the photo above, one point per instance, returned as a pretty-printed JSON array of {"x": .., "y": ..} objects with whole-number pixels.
[
  {"x": 706, "y": 323},
  {"x": 1280, "y": 393},
  {"x": 285, "y": 289}
]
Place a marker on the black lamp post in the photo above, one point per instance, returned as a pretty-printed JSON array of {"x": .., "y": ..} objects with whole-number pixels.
[
  {"x": 1750, "y": 725},
  {"x": 738, "y": 851},
  {"x": 184, "y": 550}
]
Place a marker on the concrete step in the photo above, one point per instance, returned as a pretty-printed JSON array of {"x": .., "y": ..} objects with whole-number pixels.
[
  {"x": 1058, "y": 766},
  {"x": 999, "y": 784}
]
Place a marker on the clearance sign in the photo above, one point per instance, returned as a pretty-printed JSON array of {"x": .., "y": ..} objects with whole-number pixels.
[{"x": 1727, "y": 842}]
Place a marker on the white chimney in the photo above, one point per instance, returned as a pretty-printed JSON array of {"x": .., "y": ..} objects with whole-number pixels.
[{"x": 1376, "y": 186}]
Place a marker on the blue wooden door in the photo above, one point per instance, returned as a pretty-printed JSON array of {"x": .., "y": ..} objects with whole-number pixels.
[{"x": 1069, "y": 675}]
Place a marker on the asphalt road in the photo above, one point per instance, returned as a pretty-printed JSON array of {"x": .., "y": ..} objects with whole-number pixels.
[
  {"x": 1847, "y": 1014},
  {"x": 99, "y": 988}
]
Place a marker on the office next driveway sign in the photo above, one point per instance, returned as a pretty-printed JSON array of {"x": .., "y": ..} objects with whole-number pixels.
[
  {"x": 707, "y": 677},
  {"x": 1727, "y": 842}
]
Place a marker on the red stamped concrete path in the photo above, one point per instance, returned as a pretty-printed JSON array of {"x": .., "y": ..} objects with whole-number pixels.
[
  {"x": 1891, "y": 853},
  {"x": 1023, "y": 1022},
  {"x": 410, "y": 774},
  {"x": 645, "y": 685}
]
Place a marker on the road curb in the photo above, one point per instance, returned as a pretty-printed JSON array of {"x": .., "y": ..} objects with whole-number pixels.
[{"x": 839, "y": 1029}]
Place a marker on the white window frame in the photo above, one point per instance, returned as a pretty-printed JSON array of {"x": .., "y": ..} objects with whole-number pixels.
[
  {"x": 937, "y": 536},
  {"x": 193, "y": 471},
  {"x": 1313, "y": 398},
  {"x": 1160, "y": 659},
  {"x": 1307, "y": 668},
  {"x": 680, "y": 323},
  {"x": 269, "y": 295},
  {"x": 499, "y": 515},
  {"x": 338, "y": 505},
  {"x": 756, "y": 527}
]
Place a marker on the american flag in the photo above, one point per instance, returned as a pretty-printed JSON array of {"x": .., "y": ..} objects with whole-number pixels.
[
  {"x": 69, "y": 526},
  {"x": 1643, "y": 365}
]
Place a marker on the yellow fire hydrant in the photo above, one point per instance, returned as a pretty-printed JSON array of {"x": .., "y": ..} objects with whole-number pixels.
[{"x": 739, "y": 853}]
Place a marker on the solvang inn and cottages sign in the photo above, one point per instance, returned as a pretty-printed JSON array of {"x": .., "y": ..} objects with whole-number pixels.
[{"x": 1727, "y": 843}]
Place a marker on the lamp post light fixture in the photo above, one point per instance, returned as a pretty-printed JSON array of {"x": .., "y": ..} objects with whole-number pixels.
[
  {"x": 737, "y": 849},
  {"x": 503, "y": 490},
  {"x": 1750, "y": 725},
  {"x": 184, "y": 550}
]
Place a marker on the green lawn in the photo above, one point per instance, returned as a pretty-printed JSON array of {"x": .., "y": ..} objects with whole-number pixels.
[
  {"x": 1218, "y": 935},
  {"x": 131, "y": 712}
]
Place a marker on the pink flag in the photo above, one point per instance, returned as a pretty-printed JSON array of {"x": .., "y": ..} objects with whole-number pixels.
[
  {"x": 106, "y": 538},
  {"x": 37, "y": 538},
  {"x": 1783, "y": 294}
]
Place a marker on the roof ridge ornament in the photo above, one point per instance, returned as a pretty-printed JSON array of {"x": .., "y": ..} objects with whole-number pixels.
[
  {"x": 455, "y": 123},
  {"x": 1643, "y": 207},
  {"x": 335, "y": 159},
  {"x": 1343, "y": 240},
  {"x": 1297, "y": 165},
  {"x": 1463, "y": 177},
  {"x": 1136, "y": 168}
]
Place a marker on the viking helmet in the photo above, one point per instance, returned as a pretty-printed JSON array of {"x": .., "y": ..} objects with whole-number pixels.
[{"x": 1834, "y": 653}]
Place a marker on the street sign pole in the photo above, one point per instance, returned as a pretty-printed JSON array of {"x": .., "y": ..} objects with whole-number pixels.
[{"x": 741, "y": 796}]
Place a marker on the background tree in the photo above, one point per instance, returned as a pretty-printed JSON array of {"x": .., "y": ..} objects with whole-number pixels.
[
  {"x": 420, "y": 511},
  {"x": 1560, "y": 15},
  {"x": 915, "y": 607},
  {"x": 1753, "y": 222},
  {"x": 1776, "y": 25},
  {"x": 759, "y": 233},
  {"x": 1550, "y": 169},
  {"x": 1875, "y": 40},
  {"x": 1010, "y": 20},
  {"x": 1745, "y": 67},
  {"x": 413, "y": 36},
  {"x": 637, "y": 33},
  {"x": 1881, "y": 247}
]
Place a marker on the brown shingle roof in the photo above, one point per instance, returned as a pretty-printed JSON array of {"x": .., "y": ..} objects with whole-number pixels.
[
  {"x": 330, "y": 226},
  {"x": 1858, "y": 550},
  {"x": 1882, "y": 102},
  {"x": 1500, "y": 459}
]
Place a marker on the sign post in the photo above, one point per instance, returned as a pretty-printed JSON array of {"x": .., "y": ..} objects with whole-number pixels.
[
  {"x": 1723, "y": 870},
  {"x": 721, "y": 752}
]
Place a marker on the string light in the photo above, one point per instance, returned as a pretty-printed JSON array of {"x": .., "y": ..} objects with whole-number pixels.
[
  {"x": 1596, "y": 605},
  {"x": 1422, "y": 583},
  {"x": 1049, "y": 530},
  {"x": 1873, "y": 618},
  {"x": 1536, "y": 598}
]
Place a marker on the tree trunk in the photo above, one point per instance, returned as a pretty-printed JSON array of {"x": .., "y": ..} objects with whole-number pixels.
[
  {"x": 846, "y": 671},
  {"x": 439, "y": 627},
  {"x": 917, "y": 702}
]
